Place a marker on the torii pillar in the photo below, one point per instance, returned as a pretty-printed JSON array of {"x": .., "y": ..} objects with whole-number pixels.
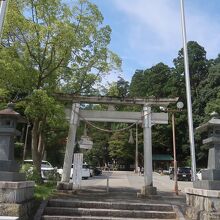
[
  {"x": 68, "y": 159},
  {"x": 148, "y": 188}
]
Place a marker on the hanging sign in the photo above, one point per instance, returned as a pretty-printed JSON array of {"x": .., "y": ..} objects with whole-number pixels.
[{"x": 85, "y": 142}]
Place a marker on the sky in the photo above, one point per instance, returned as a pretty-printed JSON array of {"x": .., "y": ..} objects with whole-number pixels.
[{"x": 146, "y": 32}]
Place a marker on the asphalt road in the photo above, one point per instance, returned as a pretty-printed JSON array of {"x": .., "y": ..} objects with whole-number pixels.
[{"x": 132, "y": 181}]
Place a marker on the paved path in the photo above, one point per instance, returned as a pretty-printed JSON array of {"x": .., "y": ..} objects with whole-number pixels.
[
  {"x": 124, "y": 186},
  {"x": 132, "y": 181}
]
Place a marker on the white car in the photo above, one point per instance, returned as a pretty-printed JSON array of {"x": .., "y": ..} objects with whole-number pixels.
[
  {"x": 199, "y": 174},
  {"x": 47, "y": 170},
  {"x": 85, "y": 171}
]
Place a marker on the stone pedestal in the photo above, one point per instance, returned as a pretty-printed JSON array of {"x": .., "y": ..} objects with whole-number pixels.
[
  {"x": 16, "y": 199},
  {"x": 148, "y": 191},
  {"x": 16, "y": 192},
  {"x": 64, "y": 186},
  {"x": 202, "y": 204}
]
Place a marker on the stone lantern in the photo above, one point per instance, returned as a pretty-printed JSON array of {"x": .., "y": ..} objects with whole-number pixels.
[
  {"x": 211, "y": 175},
  {"x": 203, "y": 200},
  {"x": 15, "y": 193},
  {"x": 8, "y": 166}
]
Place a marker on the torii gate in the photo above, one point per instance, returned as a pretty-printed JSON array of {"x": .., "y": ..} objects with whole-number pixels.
[{"x": 146, "y": 117}]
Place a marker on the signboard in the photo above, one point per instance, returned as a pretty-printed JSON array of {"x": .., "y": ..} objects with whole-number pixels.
[
  {"x": 85, "y": 142},
  {"x": 77, "y": 170}
]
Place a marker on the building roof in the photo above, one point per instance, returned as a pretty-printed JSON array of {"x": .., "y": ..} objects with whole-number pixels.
[{"x": 162, "y": 157}]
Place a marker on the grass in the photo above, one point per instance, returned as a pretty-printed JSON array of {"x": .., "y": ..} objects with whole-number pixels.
[{"x": 44, "y": 191}]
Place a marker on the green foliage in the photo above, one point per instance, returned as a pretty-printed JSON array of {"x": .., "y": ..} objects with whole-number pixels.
[
  {"x": 31, "y": 173},
  {"x": 98, "y": 155},
  {"x": 119, "y": 148},
  {"x": 151, "y": 82},
  {"x": 198, "y": 65},
  {"x": 42, "y": 106},
  {"x": 48, "y": 46},
  {"x": 44, "y": 191},
  {"x": 214, "y": 105},
  {"x": 163, "y": 81},
  {"x": 18, "y": 150}
]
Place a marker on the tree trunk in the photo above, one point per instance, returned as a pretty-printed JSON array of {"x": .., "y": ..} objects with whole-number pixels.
[{"x": 37, "y": 146}]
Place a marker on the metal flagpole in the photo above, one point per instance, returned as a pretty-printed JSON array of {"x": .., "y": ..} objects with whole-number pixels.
[
  {"x": 3, "y": 7},
  {"x": 188, "y": 93}
]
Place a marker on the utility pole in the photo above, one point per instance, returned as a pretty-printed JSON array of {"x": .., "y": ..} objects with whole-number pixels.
[
  {"x": 188, "y": 93},
  {"x": 3, "y": 8},
  {"x": 174, "y": 154},
  {"x": 136, "y": 150}
]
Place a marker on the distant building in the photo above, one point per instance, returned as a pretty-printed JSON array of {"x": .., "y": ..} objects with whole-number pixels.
[{"x": 162, "y": 161}]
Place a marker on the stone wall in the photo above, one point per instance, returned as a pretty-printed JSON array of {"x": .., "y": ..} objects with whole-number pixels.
[
  {"x": 23, "y": 210},
  {"x": 16, "y": 199},
  {"x": 203, "y": 204}
]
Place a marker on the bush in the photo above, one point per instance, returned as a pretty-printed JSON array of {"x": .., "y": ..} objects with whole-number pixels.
[{"x": 31, "y": 173}]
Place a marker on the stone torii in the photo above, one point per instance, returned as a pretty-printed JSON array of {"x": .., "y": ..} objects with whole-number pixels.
[{"x": 146, "y": 117}]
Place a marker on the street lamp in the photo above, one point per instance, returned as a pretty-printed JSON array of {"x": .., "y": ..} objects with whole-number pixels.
[{"x": 173, "y": 111}]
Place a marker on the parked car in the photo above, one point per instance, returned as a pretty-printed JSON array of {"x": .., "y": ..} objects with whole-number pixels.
[
  {"x": 171, "y": 169},
  {"x": 85, "y": 171},
  {"x": 47, "y": 170},
  {"x": 97, "y": 171},
  {"x": 199, "y": 174},
  {"x": 183, "y": 173}
]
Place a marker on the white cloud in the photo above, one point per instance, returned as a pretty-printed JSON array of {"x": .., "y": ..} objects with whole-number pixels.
[
  {"x": 154, "y": 26},
  {"x": 157, "y": 20}
]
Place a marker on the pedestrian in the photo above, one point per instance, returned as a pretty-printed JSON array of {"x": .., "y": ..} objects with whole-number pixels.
[{"x": 139, "y": 171}]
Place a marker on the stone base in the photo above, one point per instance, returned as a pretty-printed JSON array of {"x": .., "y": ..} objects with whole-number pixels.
[
  {"x": 64, "y": 186},
  {"x": 211, "y": 174},
  {"x": 207, "y": 184},
  {"x": 16, "y": 192},
  {"x": 22, "y": 211},
  {"x": 11, "y": 176},
  {"x": 148, "y": 191},
  {"x": 202, "y": 204}
]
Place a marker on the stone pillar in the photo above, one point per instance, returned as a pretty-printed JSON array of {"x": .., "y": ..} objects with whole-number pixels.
[
  {"x": 70, "y": 143},
  {"x": 148, "y": 188}
]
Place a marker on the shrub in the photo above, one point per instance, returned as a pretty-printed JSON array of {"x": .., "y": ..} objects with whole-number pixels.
[{"x": 31, "y": 173}]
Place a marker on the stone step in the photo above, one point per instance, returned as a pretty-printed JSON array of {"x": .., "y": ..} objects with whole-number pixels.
[
  {"x": 109, "y": 205},
  {"x": 61, "y": 211},
  {"x": 47, "y": 217}
]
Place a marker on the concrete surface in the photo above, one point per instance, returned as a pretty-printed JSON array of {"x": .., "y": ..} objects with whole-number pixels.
[{"x": 124, "y": 187}]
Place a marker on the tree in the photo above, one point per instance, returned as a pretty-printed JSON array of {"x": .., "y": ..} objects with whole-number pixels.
[
  {"x": 119, "y": 149},
  {"x": 198, "y": 65},
  {"x": 151, "y": 82},
  {"x": 56, "y": 48},
  {"x": 137, "y": 84}
]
